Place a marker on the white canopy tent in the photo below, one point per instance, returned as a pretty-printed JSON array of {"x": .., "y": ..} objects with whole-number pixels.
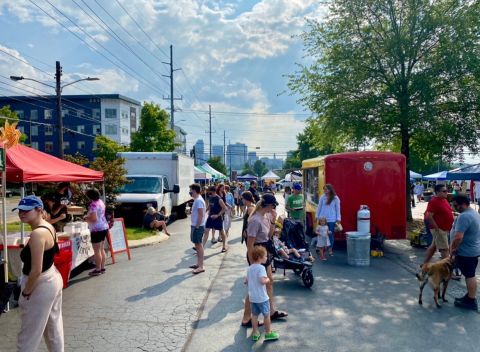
[
  {"x": 216, "y": 174},
  {"x": 270, "y": 176},
  {"x": 294, "y": 176}
]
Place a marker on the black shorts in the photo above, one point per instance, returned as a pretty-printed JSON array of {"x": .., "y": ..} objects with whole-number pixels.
[
  {"x": 269, "y": 255},
  {"x": 98, "y": 236},
  {"x": 467, "y": 265},
  {"x": 216, "y": 224}
]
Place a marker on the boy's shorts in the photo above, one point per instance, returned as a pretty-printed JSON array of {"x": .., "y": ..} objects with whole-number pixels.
[
  {"x": 261, "y": 308},
  {"x": 196, "y": 235}
]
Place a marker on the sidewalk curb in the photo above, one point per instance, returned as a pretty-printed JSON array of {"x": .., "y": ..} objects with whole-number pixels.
[{"x": 148, "y": 241}]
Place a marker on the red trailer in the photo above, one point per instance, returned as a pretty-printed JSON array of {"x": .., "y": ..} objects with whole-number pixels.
[{"x": 375, "y": 179}]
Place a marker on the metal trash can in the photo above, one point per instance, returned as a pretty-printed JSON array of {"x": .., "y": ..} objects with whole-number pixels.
[{"x": 358, "y": 248}]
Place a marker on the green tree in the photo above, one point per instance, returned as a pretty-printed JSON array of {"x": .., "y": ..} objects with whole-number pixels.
[
  {"x": 259, "y": 168},
  {"x": 107, "y": 148},
  {"x": 386, "y": 70},
  {"x": 217, "y": 164},
  {"x": 153, "y": 134},
  {"x": 247, "y": 169},
  {"x": 113, "y": 169}
]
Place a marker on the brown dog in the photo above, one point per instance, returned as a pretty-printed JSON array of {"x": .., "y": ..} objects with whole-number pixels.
[{"x": 435, "y": 274}]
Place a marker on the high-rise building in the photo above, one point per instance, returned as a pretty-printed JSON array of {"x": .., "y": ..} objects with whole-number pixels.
[
  {"x": 180, "y": 140},
  {"x": 200, "y": 156},
  {"x": 236, "y": 156},
  {"x": 217, "y": 150},
  {"x": 252, "y": 157}
]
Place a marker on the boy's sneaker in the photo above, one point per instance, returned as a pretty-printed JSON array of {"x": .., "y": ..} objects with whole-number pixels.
[
  {"x": 256, "y": 337},
  {"x": 272, "y": 335},
  {"x": 466, "y": 303}
]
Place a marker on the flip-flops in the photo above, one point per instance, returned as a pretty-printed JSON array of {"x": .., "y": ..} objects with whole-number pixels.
[
  {"x": 195, "y": 272},
  {"x": 194, "y": 266},
  {"x": 278, "y": 314},
  {"x": 248, "y": 324}
]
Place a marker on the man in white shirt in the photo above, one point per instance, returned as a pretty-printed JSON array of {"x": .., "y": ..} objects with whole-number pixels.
[{"x": 198, "y": 226}]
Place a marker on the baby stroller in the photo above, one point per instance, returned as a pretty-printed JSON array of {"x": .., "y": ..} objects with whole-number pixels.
[{"x": 294, "y": 237}]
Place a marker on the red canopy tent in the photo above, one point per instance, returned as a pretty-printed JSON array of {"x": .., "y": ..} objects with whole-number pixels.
[{"x": 26, "y": 165}]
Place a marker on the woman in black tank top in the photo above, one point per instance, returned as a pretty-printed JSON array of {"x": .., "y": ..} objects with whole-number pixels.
[
  {"x": 248, "y": 200},
  {"x": 41, "y": 296}
]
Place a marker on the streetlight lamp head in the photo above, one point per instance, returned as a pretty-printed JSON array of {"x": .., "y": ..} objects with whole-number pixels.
[
  {"x": 92, "y": 79},
  {"x": 16, "y": 78}
]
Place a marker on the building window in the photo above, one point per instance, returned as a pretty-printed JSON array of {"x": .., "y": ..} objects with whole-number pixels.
[
  {"x": 49, "y": 146},
  {"x": 64, "y": 112},
  {"x": 48, "y": 114},
  {"x": 110, "y": 113},
  {"x": 94, "y": 145},
  {"x": 96, "y": 114},
  {"x": 34, "y": 130},
  {"x": 21, "y": 129},
  {"x": 81, "y": 145},
  {"x": 97, "y": 129},
  {"x": 48, "y": 130},
  {"x": 110, "y": 129},
  {"x": 81, "y": 128},
  {"x": 80, "y": 112},
  {"x": 34, "y": 115},
  {"x": 34, "y": 145},
  {"x": 66, "y": 145},
  {"x": 20, "y": 114},
  {"x": 125, "y": 131},
  {"x": 124, "y": 115}
]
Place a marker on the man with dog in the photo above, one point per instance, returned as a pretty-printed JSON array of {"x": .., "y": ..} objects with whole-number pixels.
[
  {"x": 465, "y": 248},
  {"x": 439, "y": 216}
]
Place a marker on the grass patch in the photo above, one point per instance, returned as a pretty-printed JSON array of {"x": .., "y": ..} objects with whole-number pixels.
[
  {"x": 133, "y": 233},
  {"x": 137, "y": 233}
]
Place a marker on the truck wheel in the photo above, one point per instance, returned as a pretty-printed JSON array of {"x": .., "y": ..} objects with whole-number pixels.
[{"x": 180, "y": 211}]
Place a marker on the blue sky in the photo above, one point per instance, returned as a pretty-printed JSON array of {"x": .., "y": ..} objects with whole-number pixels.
[{"x": 233, "y": 55}]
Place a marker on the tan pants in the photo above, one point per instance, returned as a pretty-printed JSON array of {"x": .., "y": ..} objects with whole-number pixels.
[{"x": 41, "y": 315}]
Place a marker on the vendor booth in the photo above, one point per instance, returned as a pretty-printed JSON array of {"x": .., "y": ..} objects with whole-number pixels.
[
  {"x": 26, "y": 165},
  {"x": 202, "y": 176},
  {"x": 217, "y": 175},
  {"x": 247, "y": 177}
]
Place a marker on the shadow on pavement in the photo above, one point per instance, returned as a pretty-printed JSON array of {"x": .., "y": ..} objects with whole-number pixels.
[{"x": 160, "y": 288}]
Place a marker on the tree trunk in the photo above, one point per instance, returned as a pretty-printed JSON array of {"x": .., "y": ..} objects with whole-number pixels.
[{"x": 405, "y": 150}]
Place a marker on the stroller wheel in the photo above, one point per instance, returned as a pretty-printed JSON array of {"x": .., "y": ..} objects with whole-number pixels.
[{"x": 307, "y": 278}]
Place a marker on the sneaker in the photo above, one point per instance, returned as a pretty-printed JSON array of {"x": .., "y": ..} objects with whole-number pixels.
[
  {"x": 103, "y": 271},
  {"x": 272, "y": 335},
  {"x": 95, "y": 272},
  {"x": 461, "y": 299},
  {"x": 256, "y": 337},
  {"x": 214, "y": 241},
  {"x": 470, "y": 304}
]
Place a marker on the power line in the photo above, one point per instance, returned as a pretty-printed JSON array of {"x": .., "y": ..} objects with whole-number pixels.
[
  {"x": 92, "y": 47},
  {"x": 249, "y": 113}
]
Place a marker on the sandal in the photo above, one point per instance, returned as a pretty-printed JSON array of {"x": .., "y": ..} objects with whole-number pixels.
[
  {"x": 95, "y": 272},
  {"x": 224, "y": 250},
  {"x": 248, "y": 324},
  {"x": 194, "y": 266},
  {"x": 196, "y": 271},
  {"x": 256, "y": 337},
  {"x": 278, "y": 314}
]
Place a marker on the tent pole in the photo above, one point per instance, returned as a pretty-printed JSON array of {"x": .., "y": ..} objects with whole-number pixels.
[
  {"x": 5, "y": 239},
  {"x": 22, "y": 225},
  {"x": 104, "y": 197}
]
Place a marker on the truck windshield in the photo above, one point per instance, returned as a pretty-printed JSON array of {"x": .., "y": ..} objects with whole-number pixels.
[{"x": 143, "y": 185}]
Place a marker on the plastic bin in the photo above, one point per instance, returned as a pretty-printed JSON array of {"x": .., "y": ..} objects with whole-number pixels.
[{"x": 358, "y": 248}]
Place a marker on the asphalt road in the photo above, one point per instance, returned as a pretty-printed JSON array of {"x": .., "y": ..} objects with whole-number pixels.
[{"x": 153, "y": 303}]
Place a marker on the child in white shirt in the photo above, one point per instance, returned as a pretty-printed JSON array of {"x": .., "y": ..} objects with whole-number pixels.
[{"x": 323, "y": 241}]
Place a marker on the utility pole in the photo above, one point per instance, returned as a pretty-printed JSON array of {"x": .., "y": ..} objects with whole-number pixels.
[
  {"x": 224, "y": 150},
  {"x": 210, "y": 129},
  {"x": 171, "y": 98},
  {"x": 58, "y": 90},
  {"x": 230, "y": 156}
]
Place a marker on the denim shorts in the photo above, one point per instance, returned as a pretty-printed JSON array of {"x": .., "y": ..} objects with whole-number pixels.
[
  {"x": 196, "y": 235},
  {"x": 261, "y": 308}
]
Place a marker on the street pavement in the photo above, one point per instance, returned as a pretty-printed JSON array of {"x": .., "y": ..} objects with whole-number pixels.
[{"x": 154, "y": 303}]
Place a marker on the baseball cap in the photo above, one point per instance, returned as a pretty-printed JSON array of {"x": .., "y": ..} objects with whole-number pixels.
[
  {"x": 269, "y": 199},
  {"x": 297, "y": 186},
  {"x": 28, "y": 203}
]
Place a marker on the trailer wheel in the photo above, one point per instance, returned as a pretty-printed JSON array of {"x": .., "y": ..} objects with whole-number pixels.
[
  {"x": 307, "y": 278},
  {"x": 297, "y": 271}
]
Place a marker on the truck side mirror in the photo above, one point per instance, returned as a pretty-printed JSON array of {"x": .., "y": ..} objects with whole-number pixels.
[{"x": 176, "y": 189}]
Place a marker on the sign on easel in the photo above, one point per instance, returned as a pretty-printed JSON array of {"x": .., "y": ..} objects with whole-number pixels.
[{"x": 117, "y": 239}]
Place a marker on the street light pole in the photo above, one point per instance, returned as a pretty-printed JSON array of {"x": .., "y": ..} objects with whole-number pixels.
[{"x": 58, "y": 90}]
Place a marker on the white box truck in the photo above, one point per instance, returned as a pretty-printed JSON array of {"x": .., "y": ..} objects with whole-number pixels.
[{"x": 157, "y": 179}]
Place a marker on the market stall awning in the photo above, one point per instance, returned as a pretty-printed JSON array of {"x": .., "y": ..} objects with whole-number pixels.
[
  {"x": 201, "y": 174},
  {"x": 25, "y": 164},
  {"x": 470, "y": 172},
  {"x": 415, "y": 175},
  {"x": 438, "y": 176},
  {"x": 270, "y": 176},
  {"x": 216, "y": 174},
  {"x": 247, "y": 177}
]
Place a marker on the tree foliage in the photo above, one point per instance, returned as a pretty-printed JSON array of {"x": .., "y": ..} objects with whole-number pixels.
[
  {"x": 394, "y": 70},
  {"x": 113, "y": 169},
  {"x": 153, "y": 134},
  {"x": 259, "y": 168},
  {"x": 217, "y": 164},
  {"x": 247, "y": 169}
]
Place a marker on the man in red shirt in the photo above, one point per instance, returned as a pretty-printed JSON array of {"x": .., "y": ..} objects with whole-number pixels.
[{"x": 440, "y": 220}]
